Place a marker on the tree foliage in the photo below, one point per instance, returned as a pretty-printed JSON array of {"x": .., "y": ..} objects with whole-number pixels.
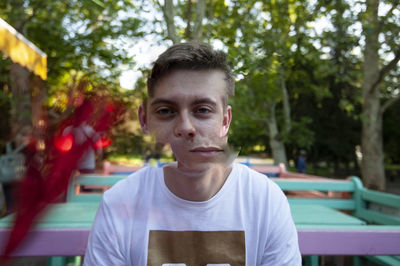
[
  {"x": 82, "y": 39},
  {"x": 301, "y": 66}
]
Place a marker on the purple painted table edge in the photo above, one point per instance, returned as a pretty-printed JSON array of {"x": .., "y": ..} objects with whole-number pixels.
[
  {"x": 50, "y": 242},
  {"x": 349, "y": 242},
  {"x": 71, "y": 242}
]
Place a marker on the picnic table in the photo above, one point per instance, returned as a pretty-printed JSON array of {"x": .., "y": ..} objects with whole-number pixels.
[
  {"x": 332, "y": 217},
  {"x": 64, "y": 229}
]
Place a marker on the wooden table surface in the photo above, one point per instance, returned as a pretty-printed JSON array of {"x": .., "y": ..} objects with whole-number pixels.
[
  {"x": 81, "y": 215},
  {"x": 320, "y": 215},
  {"x": 63, "y": 215},
  {"x": 64, "y": 230}
]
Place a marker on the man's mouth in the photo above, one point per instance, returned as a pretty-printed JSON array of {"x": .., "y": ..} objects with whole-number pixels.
[{"x": 206, "y": 149}]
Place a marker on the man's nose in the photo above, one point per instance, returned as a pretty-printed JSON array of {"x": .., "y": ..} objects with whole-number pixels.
[{"x": 184, "y": 126}]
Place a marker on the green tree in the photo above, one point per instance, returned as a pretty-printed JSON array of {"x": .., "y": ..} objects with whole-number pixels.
[
  {"x": 78, "y": 37},
  {"x": 391, "y": 134},
  {"x": 265, "y": 38},
  {"x": 335, "y": 123},
  {"x": 375, "y": 70}
]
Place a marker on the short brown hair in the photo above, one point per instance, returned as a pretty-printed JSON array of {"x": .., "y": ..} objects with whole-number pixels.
[{"x": 190, "y": 56}]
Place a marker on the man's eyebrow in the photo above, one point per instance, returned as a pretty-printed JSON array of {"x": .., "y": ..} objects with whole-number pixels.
[
  {"x": 162, "y": 101},
  {"x": 204, "y": 100},
  {"x": 171, "y": 102}
]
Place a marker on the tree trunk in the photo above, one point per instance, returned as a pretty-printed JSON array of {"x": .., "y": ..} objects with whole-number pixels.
[
  {"x": 285, "y": 100},
  {"x": 39, "y": 95},
  {"x": 372, "y": 166},
  {"x": 168, "y": 11},
  {"x": 21, "y": 115},
  {"x": 189, "y": 11},
  {"x": 277, "y": 146},
  {"x": 198, "y": 23}
]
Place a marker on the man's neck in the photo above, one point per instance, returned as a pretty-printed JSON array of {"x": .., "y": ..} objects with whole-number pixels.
[{"x": 196, "y": 185}]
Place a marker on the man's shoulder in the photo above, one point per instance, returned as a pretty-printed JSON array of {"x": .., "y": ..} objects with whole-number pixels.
[
  {"x": 247, "y": 172},
  {"x": 259, "y": 181},
  {"x": 144, "y": 175}
]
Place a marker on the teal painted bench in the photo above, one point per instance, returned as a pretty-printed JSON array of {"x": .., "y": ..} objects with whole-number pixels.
[
  {"x": 63, "y": 231},
  {"x": 373, "y": 207},
  {"x": 99, "y": 183},
  {"x": 348, "y": 196}
]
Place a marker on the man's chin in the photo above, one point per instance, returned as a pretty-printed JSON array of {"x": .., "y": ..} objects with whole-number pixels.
[
  {"x": 202, "y": 161},
  {"x": 201, "y": 165}
]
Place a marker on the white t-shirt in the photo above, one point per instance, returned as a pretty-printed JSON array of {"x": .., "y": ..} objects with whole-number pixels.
[{"x": 141, "y": 222}]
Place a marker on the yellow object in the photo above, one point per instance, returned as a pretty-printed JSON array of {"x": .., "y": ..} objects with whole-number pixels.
[{"x": 22, "y": 51}]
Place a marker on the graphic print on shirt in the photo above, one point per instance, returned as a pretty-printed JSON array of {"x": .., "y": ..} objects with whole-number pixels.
[{"x": 195, "y": 248}]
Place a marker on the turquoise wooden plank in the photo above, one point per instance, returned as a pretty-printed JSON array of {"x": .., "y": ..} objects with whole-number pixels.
[
  {"x": 359, "y": 203},
  {"x": 93, "y": 197},
  {"x": 62, "y": 215},
  {"x": 74, "y": 261},
  {"x": 311, "y": 261},
  {"x": 98, "y": 180},
  {"x": 81, "y": 215},
  {"x": 357, "y": 261},
  {"x": 377, "y": 217},
  {"x": 56, "y": 261},
  {"x": 341, "y": 204},
  {"x": 349, "y": 227},
  {"x": 385, "y": 260},
  {"x": 343, "y": 186},
  {"x": 64, "y": 261},
  {"x": 91, "y": 180},
  {"x": 101, "y": 175},
  {"x": 321, "y": 215},
  {"x": 381, "y": 198}
]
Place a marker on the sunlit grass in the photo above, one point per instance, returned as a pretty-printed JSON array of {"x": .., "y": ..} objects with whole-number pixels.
[{"x": 126, "y": 159}]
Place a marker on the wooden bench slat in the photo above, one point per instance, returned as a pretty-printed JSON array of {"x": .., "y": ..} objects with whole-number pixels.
[
  {"x": 341, "y": 204},
  {"x": 319, "y": 215},
  {"x": 98, "y": 180},
  {"x": 94, "y": 197},
  {"x": 381, "y": 198},
  {"x": 377, "y": 217},
  {"x": 340, "y": 186},
  {"x": 385, "y": 260}
]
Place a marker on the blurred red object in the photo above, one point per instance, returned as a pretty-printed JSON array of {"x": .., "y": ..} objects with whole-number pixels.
[
  {"x": 47, "y": 179},
  {"x": 103, "y": 142},
  {"x": 64, "y": 143}
]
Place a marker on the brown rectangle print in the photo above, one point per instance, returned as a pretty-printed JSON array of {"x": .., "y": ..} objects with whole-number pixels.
[{"x": 196, "y": 248}]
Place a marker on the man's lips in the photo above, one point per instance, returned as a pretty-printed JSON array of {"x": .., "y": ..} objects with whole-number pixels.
[{"x": 206, "y": 149}]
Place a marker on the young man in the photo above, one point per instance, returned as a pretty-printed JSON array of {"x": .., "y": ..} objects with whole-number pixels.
[{"x": 201, "y": 210}]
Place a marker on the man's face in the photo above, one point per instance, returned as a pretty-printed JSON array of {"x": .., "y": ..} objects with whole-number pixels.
[{"x": 188, "y": 113}]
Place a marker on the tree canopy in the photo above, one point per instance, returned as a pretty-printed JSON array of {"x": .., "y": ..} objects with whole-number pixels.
[{"x": 303, "y": 68}]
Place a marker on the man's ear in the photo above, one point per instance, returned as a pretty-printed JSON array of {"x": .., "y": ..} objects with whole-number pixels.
[
  {"x": 226, "y": 121},
  {"x": 143, "y": 119}
]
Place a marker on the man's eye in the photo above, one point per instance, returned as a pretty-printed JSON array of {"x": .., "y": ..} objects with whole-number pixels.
[
  {"x": 164, "y": 111},
  {"x": 203, "y": 110}
]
